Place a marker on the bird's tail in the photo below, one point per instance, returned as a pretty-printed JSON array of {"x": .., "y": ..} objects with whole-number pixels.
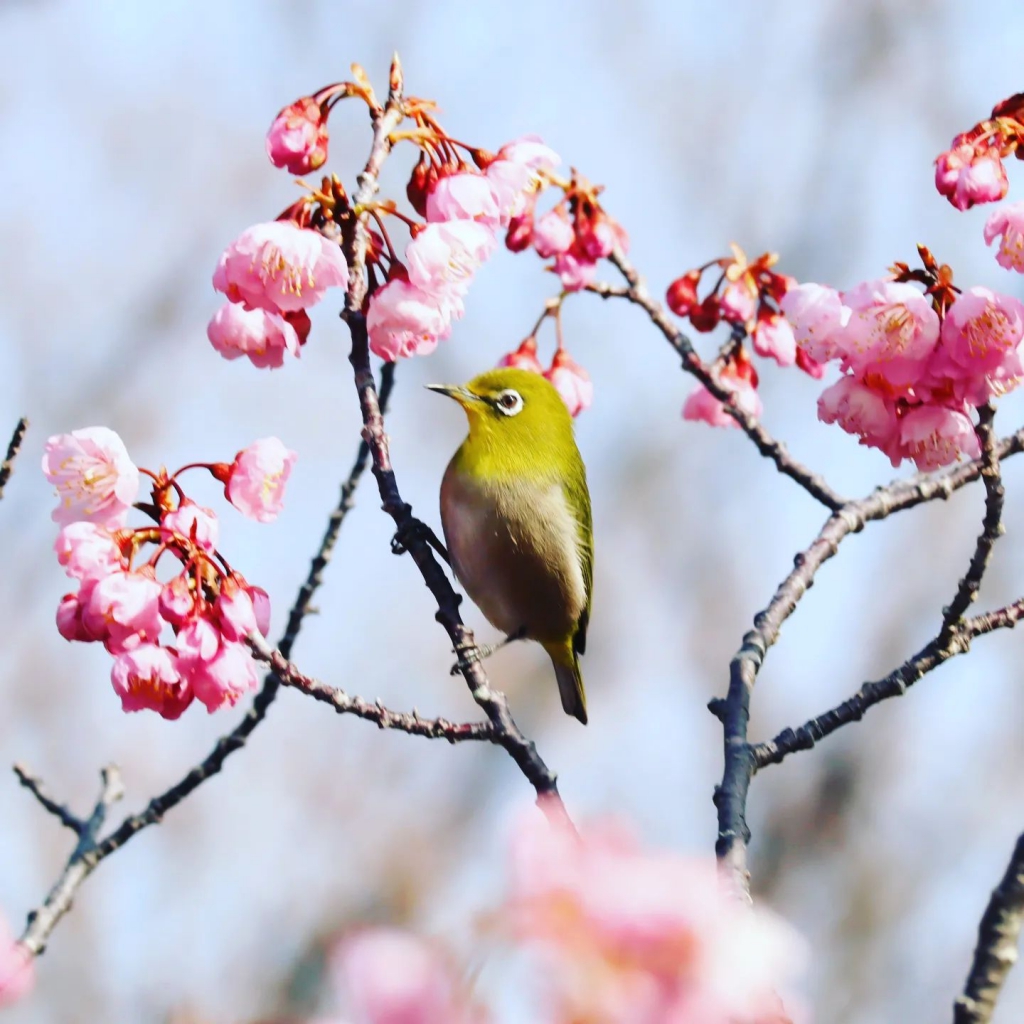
[{"x": 570, "y": 680}]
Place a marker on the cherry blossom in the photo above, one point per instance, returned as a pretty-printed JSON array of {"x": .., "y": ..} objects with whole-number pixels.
[
  {"x": 970, "y": 172},
  {"x": 444, "y": 256},
  {"x": 935, "y": 436},
  {"x": 87, "y": 551},
  {"x": 773, "y": 338},
  {"x": 279, "y": 266},
  {"x": 574, "y": 269},
  {"x": 17, "y": 968},
  {"x": 124, "y": 608},
  {"x": 818, "y": 316},
  {"x": 553, "y": 233},
  {"x": 738, "y": 376},
  {"x": 193, "y": 523},
  {"x": 262, "y": 336},
  {"x": 532, "y": 152},
  {"x": 860, "y": 410},
  {"x": 256, "y": 479},
  {"x": 297, "y": 139},
  {"x": 93, "y": 474},
  {"x": 571, "y": 381},
  {"x": 466, "y": 196},
  {"x": 405, "y": 321},
  {"x": 1007, "y": 224},
  {"x": 524, "y": 357},
  {"x": 222, "y": 680},
  {"x": 148, "y": 678}
]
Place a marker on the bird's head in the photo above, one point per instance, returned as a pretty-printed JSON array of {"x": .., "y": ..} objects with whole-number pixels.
[{"x": 510, "y": 404}]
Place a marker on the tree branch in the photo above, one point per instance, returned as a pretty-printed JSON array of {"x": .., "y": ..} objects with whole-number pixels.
[
  {"x": 996, "y": 951},
  {"x": 7, "y": 467},
  {"x": 58, "y": 810},
  {"x": 432, "y": 728},
  {"x": 637, "y": 293},
  {"x": 80, "y": 865},
  {"x": 493, "y": 702}
]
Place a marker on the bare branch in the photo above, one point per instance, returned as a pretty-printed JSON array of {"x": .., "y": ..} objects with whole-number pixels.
[
  {"x": 991, "y": 525},
  {"x": 996, "y": 951},
  {"x": 59, "y": 811},
  {"x": 410, "y": 530},
  {"x": 80, "y": 865},
  {"x": 7, "y": 467},
  {"x": 637, "y": 293},
  {"x": 432, "y": 728}
]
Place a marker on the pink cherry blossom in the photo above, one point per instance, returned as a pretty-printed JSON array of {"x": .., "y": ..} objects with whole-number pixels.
[
  {"x": 225, "y": 678},
  {"x": 862, "y": 411},
  {"x": 405, "y": 321},
  {"x": 94, "y": 477},
  {"x": 261, "y": 606},
  {"x": 970, "y": 173},
  {"x": 532, "y": 152},
  {"x": 818, "y": 317},
  {"x": 571, "y": 381},
  {"x": 198, "y": 642},
  {"x": 264, "y": 337},
  {"x": 1007, "y": 224},
  {"x": 737, "y": 302},
  {"x": 631, "y": 936},
  {"x": 739, "y": 377},
  {"x": 278, "y": 266},
  {"x": 257, "y": 478},
  {"x": 575, "y": 270},
  {"x": 124, "y": 608},
  {"x": 808, "y": 365},
  {"x": 935, "y": 436},
  {"x": 69, "y": 620},
  {"x": 87, "y": 551},
  {"x": 395, "y": 978},
  {"x": 147, "y": 678},
  {"x": 466, "y": 196},
  {"x": 524, "y": 357},
  {"x": 17, "y": 968},
  {"x": 192, "y": 522},
  {"x": 297, "y": 140},
  {"x": 177, "y": 601},
  {"x": 596, "y": 236},
  {"x": 773, "y": 338},
  {"x": 553, "y": 233},
  {"x": 891, "y": 334},
  {"x": 513, "y": 185},
  {"x": 236, "y": 614},
  {"x": 443, "y": 257},
  {"x": 980, "y": 330}
]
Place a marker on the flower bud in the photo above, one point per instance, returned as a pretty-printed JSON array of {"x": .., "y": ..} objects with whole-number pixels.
[{"x": 682, "y": 293}]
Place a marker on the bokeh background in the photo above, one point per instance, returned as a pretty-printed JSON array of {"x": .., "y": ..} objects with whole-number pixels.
[{"x": 131, "y": 148}]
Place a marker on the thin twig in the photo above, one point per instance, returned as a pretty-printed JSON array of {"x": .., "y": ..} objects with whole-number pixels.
[
  {"x": 371, "y": 711},
  {"x": 7, "y": 467},
  {"x": 58, "y": 810},
  {"x": 80, "y": 865},
  {"x": 493, "y": 702},
  {"x": 991, "y": 525},
  {"x": 957, "y": 641},
  {"x": 637, "y": 293},
  {"x": 996, "y": 951}
]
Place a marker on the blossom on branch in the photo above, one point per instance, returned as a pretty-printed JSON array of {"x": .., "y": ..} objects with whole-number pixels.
[
  {"x": 297, "y": 140},
  {"x": 262, "y": 336},
  {"x": 17, "y": 968},
  {"x": 254, "y": 483},
  {"x": 1007, "y": 224},
  {"x": 736, "y": 375},
  {"x": 571, "y": 381}
]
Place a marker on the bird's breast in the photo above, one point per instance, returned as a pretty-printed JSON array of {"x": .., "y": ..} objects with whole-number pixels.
[{"x": 515, "y": 548}]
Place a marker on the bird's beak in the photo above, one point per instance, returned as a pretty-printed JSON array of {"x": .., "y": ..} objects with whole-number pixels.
[{"x": 460, "y": 394}]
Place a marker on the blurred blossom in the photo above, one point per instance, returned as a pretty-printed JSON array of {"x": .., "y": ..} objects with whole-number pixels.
[{"x": 17, "y": 968}]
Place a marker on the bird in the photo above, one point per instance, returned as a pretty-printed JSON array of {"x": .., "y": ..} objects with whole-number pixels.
[{"x": 515, "y": 512}]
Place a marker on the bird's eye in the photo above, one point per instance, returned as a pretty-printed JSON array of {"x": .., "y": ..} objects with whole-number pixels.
[{"x": 510, "y": 402}]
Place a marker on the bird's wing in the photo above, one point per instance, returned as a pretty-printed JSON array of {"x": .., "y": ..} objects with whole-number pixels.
[{"x": 579, "y": 500}]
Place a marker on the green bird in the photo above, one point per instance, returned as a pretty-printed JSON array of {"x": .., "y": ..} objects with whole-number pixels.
[{"x": 515, "y": 510}]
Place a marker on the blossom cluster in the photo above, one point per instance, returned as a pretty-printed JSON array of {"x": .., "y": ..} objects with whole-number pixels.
[
  {"x": 622, "y": 936},
  {"x": 124, "y": 603},
  {"x": 466, "y": 196},
  {"x": 745, "y": 296},
  {"x": 912, "y": 373},
  {"x": 17, "y": 970}
]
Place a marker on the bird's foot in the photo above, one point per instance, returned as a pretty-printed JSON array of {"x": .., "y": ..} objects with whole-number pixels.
[
  {"x": 471, "y": 654},
  {"x": 412, "y": 530}
]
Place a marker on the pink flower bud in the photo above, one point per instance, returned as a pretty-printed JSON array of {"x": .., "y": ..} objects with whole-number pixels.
[
  {"x": 222, "y": 680},
  {"x": 424, "y": 177},
  {"x": 405, "y": 321},
  {"x": 257, "y": 478},
  {"x": 706, "y": 315},
  {"x": 532, "y": 152},
  {"x": 87, "y": 551},
  {"x": 740, "y": 377},
  {"x": 191, "y": 522},
  {"x": 124, "y": 607},
  {"x": 264, "y": 337},
  {"x": 595, "y": 235},
  {"x": 575, "y": 270},
  {"x": 70, "y": 623},
  {"x": 524, "y": 357},
  {"x": 513, "y": 185},
  {"x": 261, "y": 606},
  {"x": 520, "y": 232},
  {"x": 1007, "y": 224},
  {"x": 681, "y": 295},
  {"x": 554, "y": 233},
  {"x": 737, "y": 302},
  {"x": 297, "y": 140},
  {"x": 279, "y": 266},
  {"x": 197, "y": 641},
  {"x": 818, "y": 317},
  {"x": 571, "y": 381},
  {"x": 94, "y": 477},
  {"x": 147, "y": 678},
  {"x": 466, "y": 196},
  {"x": 236, "y": 614},
  {"x": 970, "y": 172},
  {"x": 177, "y": 602},
  {"x": 861, "y": 410}
]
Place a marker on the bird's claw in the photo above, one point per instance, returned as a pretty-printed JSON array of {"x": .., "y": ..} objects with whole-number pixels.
[{"x": 468, "y": 655}]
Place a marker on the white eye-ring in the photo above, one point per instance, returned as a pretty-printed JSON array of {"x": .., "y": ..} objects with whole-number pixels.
[{"x": 510, "y": 402}]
